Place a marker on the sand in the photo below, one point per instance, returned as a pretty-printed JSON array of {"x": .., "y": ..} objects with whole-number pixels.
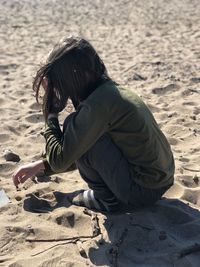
[{"x": 152, "y": 47}]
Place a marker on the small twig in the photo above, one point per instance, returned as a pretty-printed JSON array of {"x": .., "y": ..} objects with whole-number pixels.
[
  {"x": 60, "y": 239},
  {"x": 126, "y": 70},
  {"x": 56, "y": 245},
  {"x": 188, "y": 169},
  {"x": 72, "y": 240}
]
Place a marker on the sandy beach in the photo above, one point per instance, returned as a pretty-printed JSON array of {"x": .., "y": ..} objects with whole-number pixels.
[{"x": 153, "y": 48}]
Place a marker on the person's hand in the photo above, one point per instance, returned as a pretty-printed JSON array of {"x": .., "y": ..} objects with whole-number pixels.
[{"x": 27, "y": 171}]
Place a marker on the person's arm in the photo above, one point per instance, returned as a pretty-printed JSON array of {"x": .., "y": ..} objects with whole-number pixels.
[
  {"x": 27, "y": 171},
  {"x": 86, "y": 126},
  {"x": 48, "y": 171}
]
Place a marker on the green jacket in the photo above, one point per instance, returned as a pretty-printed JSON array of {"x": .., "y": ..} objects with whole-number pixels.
[{"x": 124, "y": 116}]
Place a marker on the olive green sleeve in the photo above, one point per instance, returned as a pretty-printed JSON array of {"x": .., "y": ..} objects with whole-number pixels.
[
  {"x": 89, "y": 122},
  {"x": 48, "y": 171}
]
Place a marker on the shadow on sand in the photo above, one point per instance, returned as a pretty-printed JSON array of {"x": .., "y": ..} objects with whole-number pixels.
[{"x": 164, "y": 235}]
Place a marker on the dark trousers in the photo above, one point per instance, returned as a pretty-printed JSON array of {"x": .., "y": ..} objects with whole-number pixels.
[{"x": 105, "y": 169}]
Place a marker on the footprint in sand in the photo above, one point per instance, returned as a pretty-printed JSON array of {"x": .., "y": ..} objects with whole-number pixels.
[
  {"x": 65, "y": 218},
  {"x": 4, "y": 137},
  {"x": 5, "y": 69},
  {"x": 183, "y": 159},
  {"x": 196, "y": 111},
  {"x": 166, "y": 89},
  {"x": 153, "y": 108},
  {"x": 189, "y": 181},
  {"x": 195, "y": 79},
  {"x": 173, "y": 141},
  {"x": 34, "y": 118},
  {"x": 19, "y": 93},
  {"x": 7, "y": 168},
  {"x": 35, "y": 106},
  {"x": 8, "y": 66},
  {"x": 71, "y": 219},
  {"x": 18, "y": 198},
  {"x": 1, "y": 101},
  {"x": 187, "y": 92},
  {"x": 23, "y": 101},
  {"x": 192, "y": 196},
  {"x": 189, "y": 103}
]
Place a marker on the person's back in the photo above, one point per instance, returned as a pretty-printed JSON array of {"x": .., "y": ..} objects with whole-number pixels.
[{"x": 135, "y": 132}]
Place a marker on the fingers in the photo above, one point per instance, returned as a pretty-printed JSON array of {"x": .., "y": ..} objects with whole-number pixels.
[
  {"x": 16, "y": 179},
  {"x": 20, "y": 176},
  {"x": 26, "y": 171}
]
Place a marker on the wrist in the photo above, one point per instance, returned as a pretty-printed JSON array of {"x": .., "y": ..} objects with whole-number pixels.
[{"x": 39, "y": 165}]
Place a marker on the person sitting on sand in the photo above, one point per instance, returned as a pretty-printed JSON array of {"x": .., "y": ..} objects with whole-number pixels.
[{"x": 112, "y": 136}]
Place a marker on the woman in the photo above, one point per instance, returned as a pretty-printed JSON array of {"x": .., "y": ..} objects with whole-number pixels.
[{"x": 112, "y": 136}]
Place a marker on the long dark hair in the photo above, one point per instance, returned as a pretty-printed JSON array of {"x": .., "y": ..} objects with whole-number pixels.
[{"x": 73, "y": 71}]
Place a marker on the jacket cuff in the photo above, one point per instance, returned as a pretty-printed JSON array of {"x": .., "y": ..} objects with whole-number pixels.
[{"x": 47, "y": 171}]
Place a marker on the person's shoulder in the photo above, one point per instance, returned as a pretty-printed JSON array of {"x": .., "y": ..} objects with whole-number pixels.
[
  {"x": 111, "y": 94},
  {"x": 104, "y": 93},
  {"x": 109, "y": 87}
]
